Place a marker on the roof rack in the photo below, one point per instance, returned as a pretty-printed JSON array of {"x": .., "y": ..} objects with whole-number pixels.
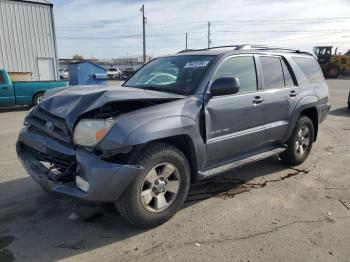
[
  {"x": 235, "y": 47},
  {"x": 250, "y": 47}
]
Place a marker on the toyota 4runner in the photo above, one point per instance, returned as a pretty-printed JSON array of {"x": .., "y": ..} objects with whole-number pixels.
[{"x": 179, "y": 119}]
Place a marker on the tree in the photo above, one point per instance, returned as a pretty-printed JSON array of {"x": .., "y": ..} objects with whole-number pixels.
[{"x": 78, "y": 57}]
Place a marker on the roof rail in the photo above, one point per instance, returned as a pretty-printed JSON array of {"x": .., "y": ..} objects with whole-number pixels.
[
  {"x": 266, "y": 47},
  {"x": 235, "y": 47},
  {"x": 249, "y": 47}
]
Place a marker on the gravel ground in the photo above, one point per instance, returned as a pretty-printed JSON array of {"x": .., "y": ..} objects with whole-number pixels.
[{"x": 263, "y": 212}]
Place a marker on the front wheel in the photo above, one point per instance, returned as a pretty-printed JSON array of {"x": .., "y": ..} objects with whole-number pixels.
[
  {"x": 300, "y": 142},
  {"x": 158, "y": 193}
]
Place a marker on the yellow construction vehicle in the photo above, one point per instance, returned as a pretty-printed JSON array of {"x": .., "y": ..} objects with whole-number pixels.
[{"x": 332, "y": 64}]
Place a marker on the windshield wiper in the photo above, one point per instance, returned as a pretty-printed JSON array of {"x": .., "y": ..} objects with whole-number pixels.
[{"x": 154, "y": 88}]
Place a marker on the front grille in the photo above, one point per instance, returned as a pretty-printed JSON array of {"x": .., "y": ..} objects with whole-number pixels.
[
  {"x": 65, "y": 166},
  {"x": 39, "y": 118}
]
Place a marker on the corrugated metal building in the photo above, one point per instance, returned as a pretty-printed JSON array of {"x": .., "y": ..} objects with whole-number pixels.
[{"x": 27, "y": 38}]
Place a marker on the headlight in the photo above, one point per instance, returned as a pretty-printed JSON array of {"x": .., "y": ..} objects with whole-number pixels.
[{"x": 88, "y": 132}]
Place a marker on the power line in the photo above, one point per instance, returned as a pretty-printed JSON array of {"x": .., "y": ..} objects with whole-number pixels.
[
  {"x": 302, "y": 20},
  {"x": 202, "y": 32}
]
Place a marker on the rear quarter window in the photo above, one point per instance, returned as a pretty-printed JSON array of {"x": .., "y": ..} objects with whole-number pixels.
[{"x": 310, "y": 68}]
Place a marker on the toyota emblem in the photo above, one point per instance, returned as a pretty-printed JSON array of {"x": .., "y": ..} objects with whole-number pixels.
[{"x": 49, "y": 126}]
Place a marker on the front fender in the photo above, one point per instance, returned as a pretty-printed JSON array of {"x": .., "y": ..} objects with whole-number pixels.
[
  {"x": 170, "y": 127},
  {"x": 304, "y": 103},
  {"x": 160, "y": 128}
]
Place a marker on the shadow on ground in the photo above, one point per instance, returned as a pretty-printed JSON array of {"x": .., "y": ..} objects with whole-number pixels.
[
  {"x": 34, "y": 224},
  {"x": 14, "y": 109},
  {"x": 343, "y": 111}
]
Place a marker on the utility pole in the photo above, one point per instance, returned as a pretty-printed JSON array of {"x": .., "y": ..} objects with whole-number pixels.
[
  {"x": 186, "y": 40},
  {"x": 209, "y": 34},
  {"x": 144, "y": 32}
]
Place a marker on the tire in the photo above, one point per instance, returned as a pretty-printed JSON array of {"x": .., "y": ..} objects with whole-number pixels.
[
  {"x": 38, "y": 98},
  {"x": 296, "y": 153},
  {"x": 332, "y": 71},
  {"x": 135, "y": 204}
]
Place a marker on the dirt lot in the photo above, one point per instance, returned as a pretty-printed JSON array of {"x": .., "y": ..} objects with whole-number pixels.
[{"x": 264, "y": 212}]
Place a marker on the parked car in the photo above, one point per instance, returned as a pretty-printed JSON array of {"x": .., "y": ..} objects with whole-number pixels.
[
  {"x": 128, "y": 72},
  {"x": 24, "y": 92},
  {"x": 64, "y": 73},
  {"x": 114, "y": 73},
  {"x": 140, "y": 145}
]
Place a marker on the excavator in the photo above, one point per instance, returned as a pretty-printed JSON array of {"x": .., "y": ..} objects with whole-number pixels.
[{"x": 334, "y": 64}]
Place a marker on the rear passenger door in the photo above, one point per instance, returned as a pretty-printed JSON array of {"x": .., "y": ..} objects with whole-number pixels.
[{"x": 281, "y": 92}]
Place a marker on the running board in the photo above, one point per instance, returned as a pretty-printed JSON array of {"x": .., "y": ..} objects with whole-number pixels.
[{"x": 240, "y": 162}]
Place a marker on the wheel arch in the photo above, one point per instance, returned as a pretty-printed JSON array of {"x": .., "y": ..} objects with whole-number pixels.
[
  {"x": 37, "y": 92},
  {"x": 306, "y": 106},
  {"x": 185, "y": 144},
  {"x": 312, "y": 113}
]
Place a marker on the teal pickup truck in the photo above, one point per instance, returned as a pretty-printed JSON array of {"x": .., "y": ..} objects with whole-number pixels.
[{"x": 24, "y": 93}]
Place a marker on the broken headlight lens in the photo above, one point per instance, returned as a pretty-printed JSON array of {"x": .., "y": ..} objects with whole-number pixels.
[{"x": 88, "y": 132}]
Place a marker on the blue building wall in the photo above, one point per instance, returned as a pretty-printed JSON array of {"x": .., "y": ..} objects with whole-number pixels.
[{"x": 84, "y": 73}]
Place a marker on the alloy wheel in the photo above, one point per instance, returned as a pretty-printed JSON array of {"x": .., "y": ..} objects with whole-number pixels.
[
  {"x": 303, "y": 141},
  {"x": 160, "y": 187}
]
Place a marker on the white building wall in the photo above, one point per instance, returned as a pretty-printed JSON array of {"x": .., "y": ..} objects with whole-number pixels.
[{"x": 26, "y": 35}]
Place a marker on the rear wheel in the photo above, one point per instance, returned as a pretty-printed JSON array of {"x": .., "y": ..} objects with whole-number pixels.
[
  {"x": 300, "y": 142},
  {"x": 38, "y": 98},
  {"x": 157, "y": 194},
  {"x": 332, "y": 71}
]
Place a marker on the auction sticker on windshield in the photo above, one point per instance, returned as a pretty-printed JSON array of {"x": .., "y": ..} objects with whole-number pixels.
[{"x": 196, "y": 64}]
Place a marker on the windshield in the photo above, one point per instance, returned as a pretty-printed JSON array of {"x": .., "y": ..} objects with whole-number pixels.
[{"x": 176, "y": 74}]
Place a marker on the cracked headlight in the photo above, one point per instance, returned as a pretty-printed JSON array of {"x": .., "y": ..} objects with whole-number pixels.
[{"x": 88, "y": 132}]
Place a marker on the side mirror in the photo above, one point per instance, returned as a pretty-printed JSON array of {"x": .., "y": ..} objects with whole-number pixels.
[{"x": 225, "y": 86}]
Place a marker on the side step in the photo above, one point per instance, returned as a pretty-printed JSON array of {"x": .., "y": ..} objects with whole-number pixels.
[{"x": 240, "y": 162}]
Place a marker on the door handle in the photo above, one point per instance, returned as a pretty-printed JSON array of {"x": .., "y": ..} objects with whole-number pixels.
[
  {"x": 5, "y": 88},
  {"x": 257, "y": 99},
  {"x": 293, "y": 93}
]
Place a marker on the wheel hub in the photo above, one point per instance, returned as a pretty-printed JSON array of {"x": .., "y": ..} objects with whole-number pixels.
[{"x": 159, "y": 186}]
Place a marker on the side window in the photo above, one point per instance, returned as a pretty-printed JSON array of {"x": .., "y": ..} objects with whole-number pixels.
[
  {"x": 310, "y": 68},
  {"x": 272, "y": 71},
  {"x": 242, "y": 67},
  {"x": 288, "y": 80},
  {"x": 2, "y": 80}
]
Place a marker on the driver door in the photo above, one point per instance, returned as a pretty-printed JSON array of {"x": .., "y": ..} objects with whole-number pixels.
[{"x": 235, "y": 123}]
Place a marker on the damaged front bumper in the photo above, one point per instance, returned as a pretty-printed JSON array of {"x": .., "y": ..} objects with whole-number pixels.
[{"x": 105, "y": 181}]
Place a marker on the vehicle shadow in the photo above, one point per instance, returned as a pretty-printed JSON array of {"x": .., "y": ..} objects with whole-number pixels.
[
  {"x": 14, "y": 109},
  {"x": 343, "y": 111},
  {"x": 62, "y": 228}
]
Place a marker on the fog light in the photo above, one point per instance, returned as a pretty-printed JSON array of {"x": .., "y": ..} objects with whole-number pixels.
[{"x": 82, "y": 184}]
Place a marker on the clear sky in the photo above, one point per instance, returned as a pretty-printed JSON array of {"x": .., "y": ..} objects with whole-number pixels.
[{"x": 112, "y": 28}]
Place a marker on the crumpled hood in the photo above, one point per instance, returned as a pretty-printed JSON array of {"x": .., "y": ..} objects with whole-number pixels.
[{"x": 71, "y": 102}]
